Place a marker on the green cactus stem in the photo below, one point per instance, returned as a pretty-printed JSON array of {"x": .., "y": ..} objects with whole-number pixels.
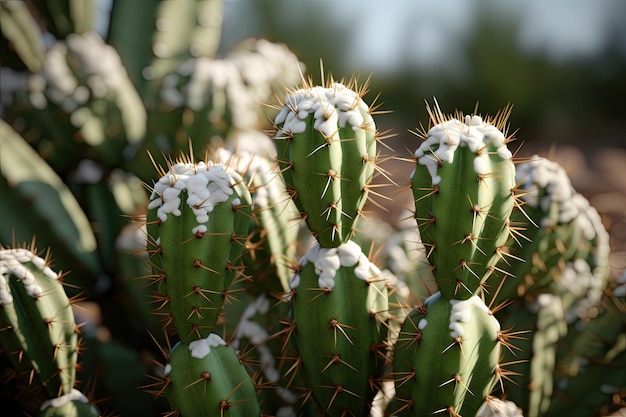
[
  {"x": 154, "y": 37},
  {"x": 446, "y": 358},
  {"x": 532, "y": 363},
  {"x": 197, "y": 222},
  {"x": 339, "y": 302},
  {"x": 81, "y": 104},
  {"x": 563, "y": 238},
  {"x": 326, "y": 140},
  {"x": 272, "y": 241},
  {"x": 206, "y": 378},
  {"x": 463, "y": 189},
  {"x": 66, "y": 17},
  {"x": 38, "y": 332},
  {"x": 207, "y": 101},
  {"x": 590, "y": 378}
]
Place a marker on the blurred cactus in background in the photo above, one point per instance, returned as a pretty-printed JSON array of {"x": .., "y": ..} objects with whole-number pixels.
[{"x": 207, "y": 267}]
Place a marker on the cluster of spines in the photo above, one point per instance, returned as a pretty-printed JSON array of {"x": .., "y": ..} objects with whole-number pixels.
[
  {"x": 339, "y": 303},
  {"x": 197, "y": 224}
]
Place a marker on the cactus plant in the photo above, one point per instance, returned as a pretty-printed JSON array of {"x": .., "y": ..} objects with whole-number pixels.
[
  {"x": 206, "y": 378},
  {"x": 197, "y": 223},
  {"x": 446, "y": 357},
  {"x": 339, "y": 303},
  {"x": 326, "y": 141},
  {"x": 39, "y": 333},
  {"x": 463, "y": 187},
  {"x": 559, "y": 227}
]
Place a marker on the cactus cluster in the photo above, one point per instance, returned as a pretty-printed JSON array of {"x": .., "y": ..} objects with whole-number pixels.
[{"x": 253, "y": 275}]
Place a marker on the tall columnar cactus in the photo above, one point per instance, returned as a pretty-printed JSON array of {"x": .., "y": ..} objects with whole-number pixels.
[
  {"x": 326, "y": 140},
  {"x": 197, "y": 223},
  {"x": 446, "y": 358},
  {"x": 326, "y": 148},
  {"x": 38, "y": 331},
  {"x": 463, "y": 188}
]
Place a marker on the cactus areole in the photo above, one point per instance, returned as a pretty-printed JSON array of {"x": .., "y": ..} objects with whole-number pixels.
[
  {"x": 326, "y": 142},
  {"x": 463, "y": 189}
]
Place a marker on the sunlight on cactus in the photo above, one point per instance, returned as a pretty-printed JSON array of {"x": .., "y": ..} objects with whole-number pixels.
[{"x": 233, "y": 238}]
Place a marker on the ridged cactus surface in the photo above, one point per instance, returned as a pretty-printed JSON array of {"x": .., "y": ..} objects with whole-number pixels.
[
  {"x": 206, "y": 378},
  {"x": 561, "y": 231},
  {"x": 197, "y": 223},
  {"x": 463, "y": 189},
  {"x": 37, "y": 319},
  {"x": 326, "y": 141},
  {"x": 339, "y": 304},
  {"x": 270, "y": 315},
  {"x": 446, "y": 358},
  {"x": 39, "y": 333}
]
